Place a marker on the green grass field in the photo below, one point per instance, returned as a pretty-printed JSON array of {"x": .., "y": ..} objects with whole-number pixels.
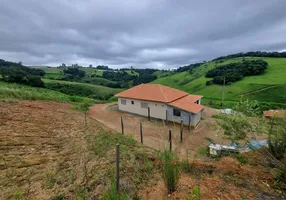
[
  {"x": 81, "y": 89},
  {"x": 24, "y": 92},
  {"x": 269, "y": 87}
]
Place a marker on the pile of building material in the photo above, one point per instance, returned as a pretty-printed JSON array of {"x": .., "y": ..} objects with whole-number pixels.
[{"x": 217, "y": 149}]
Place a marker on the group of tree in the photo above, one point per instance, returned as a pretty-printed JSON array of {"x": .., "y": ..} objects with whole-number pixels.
[
  {"x": 254, "y": 54},
  {"x": 236, "y": 71},
  {"x": 72, "y": 74},
  {"x": 144, "y": 76},
  {"x": 18, "y": 73},
  {"x": 189, "y": 67}
]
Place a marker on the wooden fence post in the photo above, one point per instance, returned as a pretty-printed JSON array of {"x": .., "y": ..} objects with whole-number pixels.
[
  {"x": 170, "y": 139},
  {"x": 122, "y": 126},
  {"x": 167, "y": 117},
  {"x": 148, "y": 113},
  {"x": 182, "y": 126},
  {"x": 117, "y": 168},
  {"x": 189, "y": 121},
  {"x": 141, "y": 132}
]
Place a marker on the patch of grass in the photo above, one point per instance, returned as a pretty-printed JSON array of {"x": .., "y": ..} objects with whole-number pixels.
[
  {"x": 104, "y": 141},
  {"x": 170, "y": 170},
  {"x": 59, "y": 196},
  {"x": 112, "y": 194},
  {"x": 240, "y": 157},
  {"x": 50, "y": 179},
  {"x": 82, "y": 193},
  {"x": 185, "y": 166},
  {"x": 19, "y": 195},
  {"x": 203, "y": 151},
  {"x": 195, "y": 194}
]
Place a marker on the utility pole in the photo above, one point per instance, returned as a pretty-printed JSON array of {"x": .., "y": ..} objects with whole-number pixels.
[{"x": 222, "y": 97}]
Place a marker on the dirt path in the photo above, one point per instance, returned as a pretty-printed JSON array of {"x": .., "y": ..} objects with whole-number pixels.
[
  {"x": 260, "y": 90},
  {"x": 156, "y": 133}
]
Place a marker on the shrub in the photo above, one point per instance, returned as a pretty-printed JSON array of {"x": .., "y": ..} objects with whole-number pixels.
[
  {"x": 170, "y": 170},
  {"x": 35, "y": 81}
]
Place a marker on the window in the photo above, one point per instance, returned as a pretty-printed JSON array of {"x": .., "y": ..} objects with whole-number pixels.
[
  {"x": 198, "y": 102},
  {"x": 176, "y": 112},
  {"x": 132, "y": 102},
  {"x": 123, "y": 101},
  {"x": 144, "y": 105}
]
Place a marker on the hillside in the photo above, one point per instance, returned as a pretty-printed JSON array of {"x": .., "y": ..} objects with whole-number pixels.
[{"x": 268, "y": 87}]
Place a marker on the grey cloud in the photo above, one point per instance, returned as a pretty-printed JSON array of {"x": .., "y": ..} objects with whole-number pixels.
[{"x": 147, "y": 33}]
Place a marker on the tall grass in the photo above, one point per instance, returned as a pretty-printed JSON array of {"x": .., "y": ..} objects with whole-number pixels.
[{"x": 170, "y": 170}]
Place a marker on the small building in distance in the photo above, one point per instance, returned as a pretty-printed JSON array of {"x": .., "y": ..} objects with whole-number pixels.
[
  {"x": 268, "y": 114},
  {"x": 161, "y": 102}
]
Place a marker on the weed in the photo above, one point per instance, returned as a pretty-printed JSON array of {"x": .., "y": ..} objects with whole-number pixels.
[
  {"x": 170, "y": 170},
  {"x": 81, "y": 193},
  {"x": 59, "y": 196},
  {"x": 203, "y": 151},
  {"x": 112, "y": 194},
  {"x": 195, "y": 194},
  {"x": 185, "y": 166},
  {"x": 243, "y": 196},
  {"x": 19, "y": 195},
  {"x": 50, "y": 179},
  {"x": 240, "y": 157}
]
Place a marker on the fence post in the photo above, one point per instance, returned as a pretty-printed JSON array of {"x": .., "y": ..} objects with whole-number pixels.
[
  {"x": 117, "y": 168},
  {"x": 170, "y": 139},
  {"x": 167, "y": 116},
  {"x": 141, "y": 132},
  {"x": 182, "y": 126},
  {"x": 148, "y": 113},
  {"x": 189, "y": 121},
  {"x": 122, "y": 126}
]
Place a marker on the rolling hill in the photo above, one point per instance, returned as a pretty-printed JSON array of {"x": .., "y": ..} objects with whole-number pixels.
[{"x": 268, "y": 87}]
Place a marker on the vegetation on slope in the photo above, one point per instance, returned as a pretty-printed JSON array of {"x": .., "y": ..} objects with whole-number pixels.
[
  {"x": 81, "y": 89},
  {"x": 23, "y": 92},
  {"x": 258, "y": 87}
]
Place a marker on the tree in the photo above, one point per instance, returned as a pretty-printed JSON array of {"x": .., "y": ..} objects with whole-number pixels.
[
  {"x": 90, "y": 66},
  {"x": 84, "y": 107}
]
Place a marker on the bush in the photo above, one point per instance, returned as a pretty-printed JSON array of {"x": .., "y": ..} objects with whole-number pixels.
[
  {"x": 170, "y": 170},
  {"x": 35, "y": 81}
]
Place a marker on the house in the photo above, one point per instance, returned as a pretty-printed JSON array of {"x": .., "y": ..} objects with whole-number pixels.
[
  {"x": 161, "y": 102},
  {"x": 274, "y": 113}
]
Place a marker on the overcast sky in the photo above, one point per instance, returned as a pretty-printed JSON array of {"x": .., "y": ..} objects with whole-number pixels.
[{"x": 140, "y": 33}]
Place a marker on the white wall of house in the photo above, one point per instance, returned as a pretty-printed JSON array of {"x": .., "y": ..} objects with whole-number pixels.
[
  {"x": 187, "y": 117},
  {"x": 157, "y": 109}
]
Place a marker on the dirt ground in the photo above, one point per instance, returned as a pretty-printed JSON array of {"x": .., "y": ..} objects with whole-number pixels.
[
  {"x": 44, "y": 151},
  {"x": 156, "y": 133},
  {"x": 35, "y": 139}
]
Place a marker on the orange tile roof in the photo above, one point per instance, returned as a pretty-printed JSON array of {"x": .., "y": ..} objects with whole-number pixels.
[
  {"x": 152, "y": 92},
  {"x": 188, "y": 103},
  {"x": 276, "y": 113}
]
